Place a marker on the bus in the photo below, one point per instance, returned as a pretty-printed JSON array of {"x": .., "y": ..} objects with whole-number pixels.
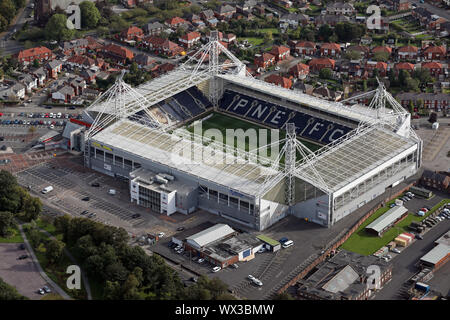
[{"x": 421, "y": 192}]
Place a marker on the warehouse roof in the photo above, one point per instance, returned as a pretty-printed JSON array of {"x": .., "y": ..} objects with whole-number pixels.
[
  {"x": 268, "y": 240},
  {"x": 205, "y": 237},
  {"x": 436, "y": 254},
  {"x": 387, "y": 219},
  {"x": 342, "y": 280}
]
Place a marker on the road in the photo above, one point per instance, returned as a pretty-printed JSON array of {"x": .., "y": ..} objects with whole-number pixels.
[
  {"x": 438, "y": 11},
  {"x": 405, "y": 263},
  {"x": 7, "y": 45}
]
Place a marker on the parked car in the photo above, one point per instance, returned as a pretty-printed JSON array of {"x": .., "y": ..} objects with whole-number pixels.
[
  {"x": 85, "y": 198},
  {"x": 24, "y": 256},
  {"x": 234, "y": 266},
  {"x": 257, "y": 282},
  {"x": 41, "y": 291},
  {"x": 216, "y": 269},
  {"x": 161, "y": 234},
  {"x": 392, "y": 205},
  {"x": 262, "y": 250},
  {"x": 136, "y": 215},
  {"x": 193, "y": 279},
  {"x": 84, "y": 212},
  {"x": 91, "y": 215},
  {"x": 418, "y": 236},
  {"x": 288, "y": 244},
  {"x": 283, "y": 240},
  {"x": 180, "y": 228},
  {"x": 395, "y": 250},
  {"x": 22, "y": 246},
  {"x": 95, "y": 184},
  {"x": 46, "y": 289},
  {"x": 201, "y": 260}
]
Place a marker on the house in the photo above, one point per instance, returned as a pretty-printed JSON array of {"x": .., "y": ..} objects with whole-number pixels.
[
  {"x": 435, "y": 68},
  {"x": 88, "y": 75},
  {"x": 81, "y": 62},
  {"x": 190, "y": 39},
  {"x": 279, "y": 81},
  {"x": 305, "y": 48},
  {"x": 14, "y": 92},
  {"x": 330, "y": 50},
  {"x": 383, "y": 49},
  {"x": 207, "y": 14},
  {"x": 78, "y": 84},
  {"x": 362, "y": 50},
  {"x": 246, "y": 6},
  {"x": 324, "y": 92},
  {"x": 400, "y": 5},
  {"x": 318, "y": 64},
  {"x": 293, "y": 20},
  {"x": 143, "y": 59},
  {"x": 340, "y": 8},
  {"x": 64, "y": 94},
  {"x": 117, "y": 53},
  {"x": 408, "y": 52},
  {"x": 434, "y": 53},
  {"x": 299, "y": 71},
  {"x": 435, "y": 180},
  {"x": 29, "y": 55},
  {"x": 431, "y": 101},
  {"x": 40, "y": 75},
  {"x": 225, "y": 12},
  {"x": 93, "y": 44},
  {"x": 53, "y": 68},
  {"x": 176, "y": 22},
  {"x": 404, "y": 66},
  {"x": 229, "y": 38},
  {"x": 153, "y": 29},
  {"x": 380, "y": 66},
  {"x": 196, "y": 20},
  {"x": 280, "y": 53},
  {"x": 265, "y": 60},
  {"x": 131, "y": 33},
  {"x": 163, "y": 46},
  {"x": 77, "y": 46},
  {"x": 28, "y": 81}
]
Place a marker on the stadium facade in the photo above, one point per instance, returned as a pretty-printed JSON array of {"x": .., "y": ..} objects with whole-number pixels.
[{"x": 138, "y": 135}]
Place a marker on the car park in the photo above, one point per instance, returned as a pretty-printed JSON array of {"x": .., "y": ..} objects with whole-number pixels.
[{"x": 216, "y": 269}]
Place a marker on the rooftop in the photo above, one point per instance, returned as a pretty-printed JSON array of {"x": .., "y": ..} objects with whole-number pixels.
[{"x": 387, "y": 219}]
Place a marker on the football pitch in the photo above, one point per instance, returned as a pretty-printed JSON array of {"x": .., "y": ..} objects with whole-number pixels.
[{"x": 223, "y": 122}]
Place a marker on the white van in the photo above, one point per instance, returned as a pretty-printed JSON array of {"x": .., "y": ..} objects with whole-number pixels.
[
  {"x": 112, "y": 191},
  {"x": 287, "y": 244},
  {"x": 47, "y": 189}
]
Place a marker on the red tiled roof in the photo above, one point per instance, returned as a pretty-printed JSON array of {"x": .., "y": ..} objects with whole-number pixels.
[
  {"x": 175, "y": 20},
  {"x": 266, "y": 57},
  {"x": 331, "y": 46},
  {"x": 404, "y": 66},
  {"x": 132, "y": 30},
  {"x": 408, "y": 49},
  {"x": 119, "y": 50},
  {"x": 33, "y": 52},
  {"x": 305, "y": 44},
  {"x": 279, "y": 80},
  {"x": 432, "y": 65},
  {"x": 435, "y": 49},
  {"x": 377, "y": 64},
  {"x": 318, "y": 61},
  {"x": 299, "y": 68},
  {"x": 191, "y": 36},
  {"x": 156, "y": 41},
  {"x": 277, "y": 50},
  {"x": 81, "y": 60}
]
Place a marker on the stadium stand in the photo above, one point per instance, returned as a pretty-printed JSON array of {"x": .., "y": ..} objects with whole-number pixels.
[{"x": 307, "y": 126}]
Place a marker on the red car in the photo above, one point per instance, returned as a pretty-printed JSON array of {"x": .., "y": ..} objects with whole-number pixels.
[{"x": 416, "y": 116}]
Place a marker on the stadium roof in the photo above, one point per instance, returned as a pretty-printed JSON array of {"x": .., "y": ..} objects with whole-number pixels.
[
  {"x": 387, "y": 218},
  {"x": 357, "y": 113},
  {"x": 228, "y": 168},
  {"x": 210, "y": 235},
  {"x": 358, "y": 154}
]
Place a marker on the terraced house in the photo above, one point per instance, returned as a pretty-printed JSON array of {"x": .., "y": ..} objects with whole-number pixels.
[{"x": 38, "y": 53}]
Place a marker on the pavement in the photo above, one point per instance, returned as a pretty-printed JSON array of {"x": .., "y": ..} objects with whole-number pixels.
[{"x": 405, "y": 264}]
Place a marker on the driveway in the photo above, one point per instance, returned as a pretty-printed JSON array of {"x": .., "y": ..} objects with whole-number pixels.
[{"x": 22, "y": 274}]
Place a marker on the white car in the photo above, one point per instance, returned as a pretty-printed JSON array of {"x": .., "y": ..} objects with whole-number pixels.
[
  {"x": 277, "y": 68},
  {"x": 251, "y": 277},
  {"x": 258, "y": 282},
  {"x": 161, "y": 234},
  {"x": 262, "y": 250},
  {"x": 201, "y": 260},
  {"x": 395, "y": 250},
  {"x": 216, "y": 269}
]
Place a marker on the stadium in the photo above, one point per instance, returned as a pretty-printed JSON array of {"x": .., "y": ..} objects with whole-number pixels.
[{"x": 333, "y": 157}]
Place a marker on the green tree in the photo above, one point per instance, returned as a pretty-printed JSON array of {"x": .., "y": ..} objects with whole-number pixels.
[
  {"x": 325, "y": 32},
  {"x": 10, "y": 197},
  {"x": 56, "y": 28},
  {"x": 268, "y": 37},
  {"x": 19, "y": 3},
  {"x": 112, "y": 291},
  {"x": 3, "y": 23},
  {"x": 422, "y": 75},
  {"x": 7, "y": 9},
  {"x": 325, "y": 73},
  {"x": 90, "y": 16},
  {"x": 353, "y": 55},
  {"x": 6, "y": 223},
  {"x": 8, "y": 292},
  {"x": 381, "y": 56},
  {"x": 54, "y": 250},
  {"x": 32, "y": 207}
]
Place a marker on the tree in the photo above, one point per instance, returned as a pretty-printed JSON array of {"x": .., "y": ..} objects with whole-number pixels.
[
  {"x": 7, "y": 9},
  {"x": 54, "y": 250},
  {"x": 6, "y": 223},
  {"x": 32, "y": 207},
  {"x": 381, "y": 56},
  {"x": 10, "y": 198},
  {"x": 35, "y": 63},
  {"x": 422, "y": 75},
  {"x": 3, "y": 23},
  {"x": 325, "y": 32},
  {"x": 268, "y": 37},
  {"x": 90, "y": 16},
  {"x": 56, "y": 28},
  {"x": 8, "y": 292},
  {"x": 325, "y": 73},
  {"x": 353, "y": 55}
]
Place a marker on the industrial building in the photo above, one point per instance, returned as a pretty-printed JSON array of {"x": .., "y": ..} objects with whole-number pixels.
[
  {"x": 387, "y": 220},
  {"x": 344, "y": 277},
  {"x": 366, "y": 149},
  {"x": 439, "y": 255}
]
